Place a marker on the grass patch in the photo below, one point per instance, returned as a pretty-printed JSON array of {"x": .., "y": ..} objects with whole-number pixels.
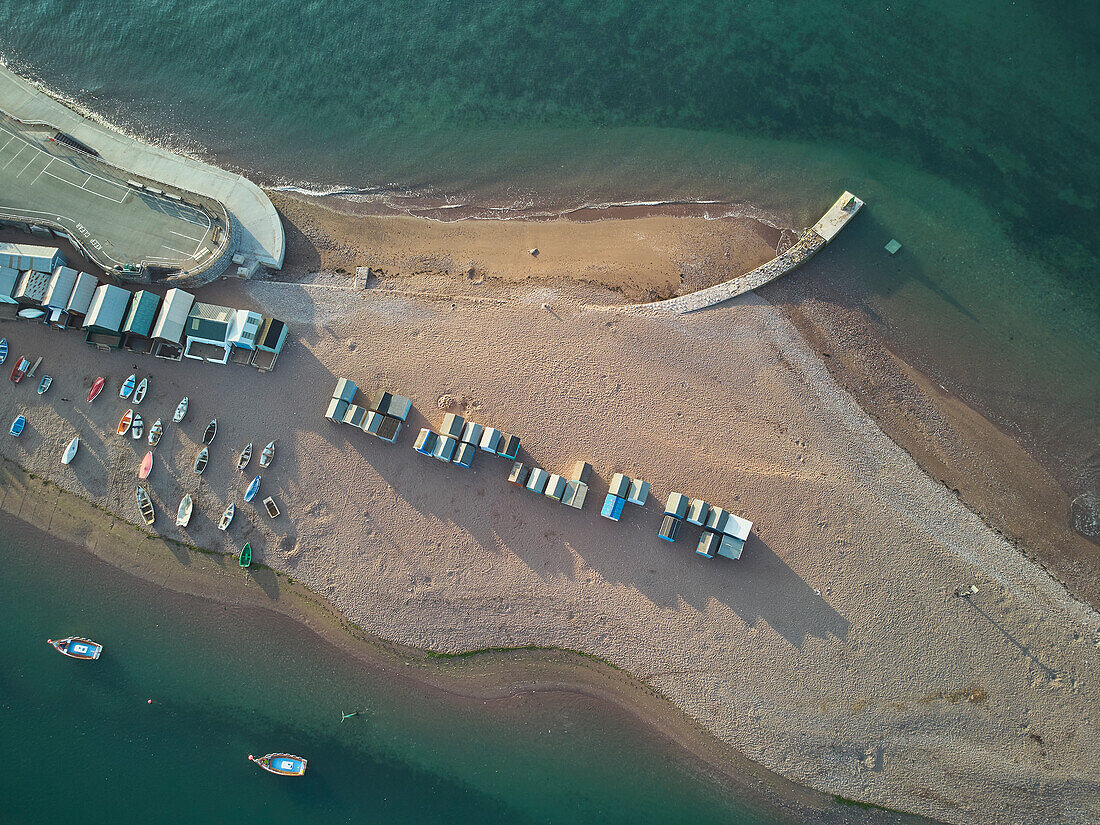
[{"x": 867, "y": 806}]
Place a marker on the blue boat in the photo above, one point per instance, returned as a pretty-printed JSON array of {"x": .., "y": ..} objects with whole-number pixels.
[
  {"x": 18, "y": 424},
  {"x": 77, "y": 648},
  {"x": 283, "y": 764},
  {"x": 3, "y": 350},
  {"x": 253, "y": 488}
]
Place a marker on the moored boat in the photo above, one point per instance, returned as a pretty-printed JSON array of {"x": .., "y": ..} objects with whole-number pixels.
[
  {"x": 30, "y": 313},
  {"x": 70, "y": 451},
  {"x": 137, "y": 428},
  {"x": 20, "y": 369},
  {"x": 201, "y": 460},
  {"x": 44, "y": 384},
  {"x": 97, "y": 388},
  {"x": 283, "y": 764},
  {"x": 246, "y": 556},
  {"x": 128, "y": 386},
  {"x": 155, "y": 432},
  {"x": 268, "y": 455},
  {"x": 181, "y": 411},
  {"x": 3, "y": 350},
  {"x": 145, "y": 504},
  {"x": 146, "y": 466},
  {"x": 253, "y": 488},
  {"x": 76, "y": 647},
  {"x": 246, "y": 456},
  {"x": 227, "y": 517},
  {"x": 17, "y": 425},
  {"x": 183, "y": 514},
  {"x": 125, "y": 422},
  {"x": 140, "y": 390},
  {"x": 272, "y": 507},
  {"x": 211, "y": 431}
]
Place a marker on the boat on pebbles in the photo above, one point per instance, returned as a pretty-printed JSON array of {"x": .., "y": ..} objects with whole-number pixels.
[
  {"x": 227, "y": 517},
  {"x": 145, "y": 505},
  {"x": 268, "y": 455},
  {"x": 125, "y": 422},
  {"x": 211, "y": 431},
  {"x": 253, "y": 488},
  {"x": 201, "y": 460},
  {"x": 140, "y": 390},
  {"x": 137, "y": 428},
  {"x": 70, "y": 451},
  {"x": 146, "y": 466},
  {"x": 155, "y": 432},
  {"x": 181, "y": 411},
  {"x": 183, "y": 514},
  {"x": 128, "y": 387},
  {"x": 246, "y": 456}
]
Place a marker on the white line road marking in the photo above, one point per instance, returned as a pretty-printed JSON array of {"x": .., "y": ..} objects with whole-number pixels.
[
  {"x": 24, "y": 169},
  {"x": 173, "y": 249},
  {"x": 5, "y": 146},
  {"x": 196, "y": 240},
  {"x": 17, "y": 154},
  {"x": 44, "y": 168}
]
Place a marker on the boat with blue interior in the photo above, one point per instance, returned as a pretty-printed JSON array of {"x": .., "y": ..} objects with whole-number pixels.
[
  {"x": 283, "y": 764},
  {"x": 76, "y": 647}
]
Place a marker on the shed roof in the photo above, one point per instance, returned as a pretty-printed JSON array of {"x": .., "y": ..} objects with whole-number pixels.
[
  {"x": 27, "y": 256},
  {"x": 81, "y": 298},
  {"x": 272, "y": 335},
  {"x": 108, "y": 308},
  {"x": 209, "y": 322},
  {"x": 173, "y": 315},
  {"x": 32, "y": 285},
  {"x": 8, "y": 277},
  {"x": 143, "y": 311},
  {"x": 60, "y": 288}
]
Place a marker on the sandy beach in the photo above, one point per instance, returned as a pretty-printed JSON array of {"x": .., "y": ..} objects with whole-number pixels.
[{"x": 835, "y": 652}]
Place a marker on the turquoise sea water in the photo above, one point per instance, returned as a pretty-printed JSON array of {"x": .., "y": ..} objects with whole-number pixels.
[{"x": 83, "y": 743}]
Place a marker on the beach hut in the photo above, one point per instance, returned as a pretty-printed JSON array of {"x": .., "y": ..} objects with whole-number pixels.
[
  {"x": 444, "y": 448},
  {"x": 345, "y": 389},
  {"x": 388, "y": 428},
  {"x": 105, "y": 316},
  {"x": 716, "y": 519},
  {"x": 639, "y": 492},
  {"x": 244, "y": 329},
  {"x": 536, "y": 481},
  {"x": 697, "y": 512},
  {"x": 519, "y": 474},
  {"x": 31, "y": 287},
  {"x": 453, "y": 426},
  {"x": 490, "y": 440},
  {"x": 555, "y": 487},
  {"x": 708, "y": 544},
  {"x": 575, "y": 494},
  {"x": 371, "y": 422},
  {"x": 354, "y": 415},
  {"x": 60, "y": 288},
  {"x": 172, "y": 318},
  {"x": 269, "y": 343},
  {"x": 581, "y": 472},
  {"x": 670, "y": 528},
  {"x": 398, "y": 407},
  {"x": 425, "y": 442},
  {"x": 619, "y": 486},
  {"x": 8, "y": 279},
  {"x": 80, "y": 301},
  {"x": 730, "y": 547},
  {"x": 735, "y": 535},
  {"x": 22, "y": 257},
  {"x": 207, "y": 329},
  {"x": 140, "y": 318},
  {"x": 472, "y": 433},
  {"x": 380, "y": 400},
  {"x": 508, "y": 446},
  {"x": 677, "y": 505},
  {"x": 464, "y": 455},
  {"x": 336, "y": 409},
  {"x": 612, "y": 507}
]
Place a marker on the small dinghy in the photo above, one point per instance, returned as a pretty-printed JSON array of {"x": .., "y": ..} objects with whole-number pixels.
[
  {"x": 201, "y": 460},
  {"x": 253, "y": 488},
  {"x": 125, "y": 422},
  {"x": 18, "y": 424},
  {"x": 181, "y": 411},
  {"x": 155, "y": 432},
  {"x": 283, "y": 764},
  {"x": 211, "y": 431},
  {"x": 227, "y": 517},
  {"x": 246, "y": 456},
  {"x": 97, "y": 388},
  {"x": 3, "y": 350},
  {"x": 70, "y": 451},
  {"x": 30, "y": 313},
  {"x": 137, "y": 428},
  {"x": 246, "y": 556},
  {"x": 44, "y": 384},
  {"x": 20, "y": 369},
  {"x": 272, "y": 508},
  {"x": 183, "y": 514},
  {"x": 128, "y": 387},
  {"x": 268, "y": 455},
  {"x": 146, "y": 466},
  {"x": 77, "y": 648},
  {"x": 139, "y": 392},
  {"x": 145, "y": 504}
]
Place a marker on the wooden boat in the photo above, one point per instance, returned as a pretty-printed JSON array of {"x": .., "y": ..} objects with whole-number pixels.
[
  {"x": 44, "y": 384},
  {"x": 137, "y": 428},
  {"x": 140, "y": 390},
  {"x": 246, "y": 556},
  {"x": 268, "y": 455},
  {"x": 227, "y": 517},
  {"x": 97, "y": 388},
  {"x": 128, "y": 387},
  {"x": 30, "y": 313},
  {"x": 211, "y": 431},
  {"x": 17, "y": 425},
  {"x": 201, "y": 460},
  {"x": 145, "y": 504},
  {"x": 283, "y": 764},
  {"x": 181, "y": 411},
  {"x": 155, "y": 432},
  {"x": 272, "y": 508},
  {"x": 183, "y": 514},
  {"x": 146, "y": 466},
  {"x": 3, "y": 350},
  {"x": 246, "y": 456},
  {"x": 125, "y": 422},
  {"x": 70, "y": 451},
  {"x": 76, "y": 647},
  {"x": 253, "y": 488},
  {"x": 20, "y": 369}
]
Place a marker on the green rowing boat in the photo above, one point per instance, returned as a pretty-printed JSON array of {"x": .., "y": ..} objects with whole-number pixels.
[{"x": 246, "y": 556}]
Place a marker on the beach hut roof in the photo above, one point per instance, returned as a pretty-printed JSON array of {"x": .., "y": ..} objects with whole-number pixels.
[
  {"x": 345, "y": 389},
  {"x": 143, "y": 311},
  {"x": 108, "y": 308},
  {"x": 272, "y": 335},
  {"x": 209, "y": 322},
  {"x": 81, "y": 298},
  {"x": 32, "y": 285},
  {"x": 26, "y": 256},
  {"x": 173, "y": 315},
  {"x": 60, "y": 288},
  {"x": 244, "y": 328},
  {"x": 8, "y": 278}
]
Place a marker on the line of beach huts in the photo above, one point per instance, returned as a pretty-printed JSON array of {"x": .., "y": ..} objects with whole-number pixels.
[
  {"x": 173, "y": 327},
  {"x": 457, "y": 441}
]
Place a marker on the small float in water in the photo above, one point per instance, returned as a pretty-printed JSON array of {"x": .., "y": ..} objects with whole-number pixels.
[{"x": 77, "y": 648}]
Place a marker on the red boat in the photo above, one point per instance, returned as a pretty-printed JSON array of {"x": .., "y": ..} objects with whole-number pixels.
[
  {"x": 97, "y": 388},
  {"x": 20, "y": 369}
]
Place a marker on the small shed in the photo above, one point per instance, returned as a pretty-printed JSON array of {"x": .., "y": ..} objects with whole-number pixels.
[
  {"x": 508, "y": 446},
  {"x": 619, "y": 486},
  {"x": 677, "y": 505},
  {"x": 444, "y": 448},
  {"x": 388, "y": 428},
  {"x": 536, "y": 482},
  {"x": 60, "y": 288},
  {"x": 737, "y": 527},
  {"x": 612, "y": 507},
  {"x": 8, "y": 279},
  {"x": 731, "y": 547},
  {"x": 83, "y": 291},
  {"x": 670, "y": 528},
  {"x": 244, "y": 329},
  {"x": 31, "y": 287},
  {"x": 425, "y": 441},
  {"x": 143, "y": 312},
  {"x": 716, "y": 519},
  {"x": 472, "y": 433},
  {"x": 398, "y": 407},
  {"x": 697, "y": 512},
  {"x": 354, "y": 415},
  {"x": 708, "y": 544},
  {"x": 464, "y": 455},
  {"x": 519, "y": 474},
  {"x": 172, "y": 320},
  {"x": 345, "y": 389},
  {"x": 269, "y": 343},
  {"x": 336, "y": 409},
  {"x": 108, "y": 309},
  {"x": 555, "y": 487},
  {"x": 490, "y": 440},
  {"x": 380, "y": 401},
  {"x": 581, "y": 472},
  {"x": 453, "y": 425},
  {"x": 639, "y": 492},
  {"x": 21, "y": 257},
  {"x": 575, "y": 494}
]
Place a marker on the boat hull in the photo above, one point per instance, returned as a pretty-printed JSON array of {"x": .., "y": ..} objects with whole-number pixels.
[
  {"x": 246, "y": 556},
  {"x": 281, "y": 764},
  {"x": 77, "y": 648},
  {"x": 17, "y": 426}
]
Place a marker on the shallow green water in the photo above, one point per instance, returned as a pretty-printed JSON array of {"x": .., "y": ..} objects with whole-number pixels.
[
  {"x": 970, "y": 128},
  {"x": 83, "y": 745}
]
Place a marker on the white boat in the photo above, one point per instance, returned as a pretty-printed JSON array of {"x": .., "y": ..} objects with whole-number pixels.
[
  {"x": 246, "y": 456},
  {"x": 140, "y": 390},
  {"x": 44, "y": 384},
  {"x": 31, "y": 313},
  {"x": 201, "y": 460},
  {"x": 268, "y": 455},
  {"x": 3, "y": 350},
  {"x": 227, "y": 517},
  {"x": 211, "y": 431},
  {"x": 70, "y": 451},
  {"x": 181, "y": 411},
  {"x": 128, "y": 387},
  {"x": 183, "y": 515},
  {"x": 155, "y": 432},
  {"x": 253, "y": 488},
  {"x": 137, "y": 428},
  {"x": 145, "y": 504},
  {"x": 272, "y": 507}
]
